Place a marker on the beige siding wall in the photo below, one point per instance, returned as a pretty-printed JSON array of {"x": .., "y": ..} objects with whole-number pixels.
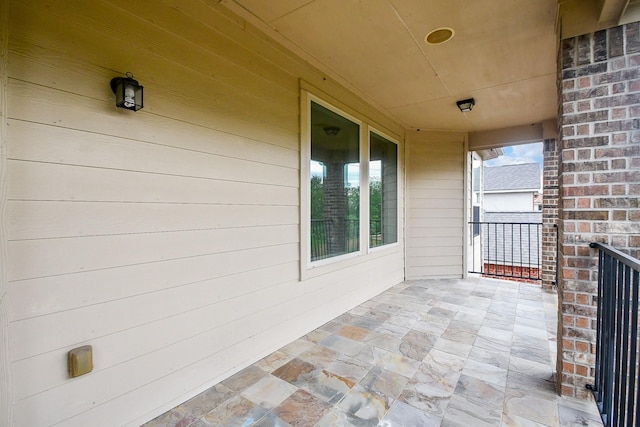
[
  {"x": 168, "y": 239},
  {"x": 5, "y": 371},
  {"x": 435, "y": 215}
]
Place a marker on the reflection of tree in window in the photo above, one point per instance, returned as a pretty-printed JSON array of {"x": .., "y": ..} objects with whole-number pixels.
[
  {"x": 383, "y": 191},
  {"x": 334, "y": 184}
]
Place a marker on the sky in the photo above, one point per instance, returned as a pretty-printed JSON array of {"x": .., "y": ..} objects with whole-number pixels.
[{"x": 517, "y": 154}]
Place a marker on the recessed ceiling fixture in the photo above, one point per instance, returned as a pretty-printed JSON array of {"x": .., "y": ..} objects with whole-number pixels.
[
  {"x": 466, "y": 105},
  {"x": 439, "y": 35}
]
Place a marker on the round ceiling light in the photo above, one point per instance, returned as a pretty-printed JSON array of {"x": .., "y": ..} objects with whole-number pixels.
[{"x": 439, "y": 35}]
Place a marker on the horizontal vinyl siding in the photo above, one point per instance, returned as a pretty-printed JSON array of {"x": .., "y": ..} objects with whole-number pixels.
[
  {"x": 435, "y": 205},
  {"x": 168, "y": 239}
]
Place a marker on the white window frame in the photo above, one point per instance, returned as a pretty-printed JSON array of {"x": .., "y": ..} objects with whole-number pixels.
[
  {"x": 308, "y": 268},
  {"x": 305, "y": 199},
  {"x": 389, "y": 138}
]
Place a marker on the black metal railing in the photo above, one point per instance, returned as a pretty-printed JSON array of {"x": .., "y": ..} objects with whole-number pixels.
[
  {"x": 333, "y": 237},
  {"x": 507, "y": 249},
  {"x": 615, "y": 385},
  {"x": 375, "y": 233}
]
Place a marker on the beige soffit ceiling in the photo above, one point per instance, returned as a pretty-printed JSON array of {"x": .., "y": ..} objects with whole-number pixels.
[
  {"x": 579, "y": 17},
  {"x": 502, "y": 54}
]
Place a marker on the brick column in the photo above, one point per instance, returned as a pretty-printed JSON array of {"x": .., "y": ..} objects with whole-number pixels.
[
  {"x": 550, "y": 214},
  {"x": 335, "y": 206},
  {"x": 599, "y": 181}
]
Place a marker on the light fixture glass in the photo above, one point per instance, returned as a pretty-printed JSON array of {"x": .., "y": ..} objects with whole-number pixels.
[
  {"x": 129, "y": 93},
  {"x": 466, "y": 105},
  {"x": 331, "y": 130},
  {"x": 439, "y": 35}
]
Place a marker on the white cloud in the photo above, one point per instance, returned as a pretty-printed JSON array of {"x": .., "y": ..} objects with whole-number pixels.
[{"x": 527, "y": 153}]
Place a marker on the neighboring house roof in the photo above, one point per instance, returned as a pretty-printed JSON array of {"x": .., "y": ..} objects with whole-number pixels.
[
  {"x": 525, "y": 176},
  {"x": 522, "y": 217}
]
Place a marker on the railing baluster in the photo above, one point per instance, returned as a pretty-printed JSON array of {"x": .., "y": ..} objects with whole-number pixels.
[
  {"x": 609, "y": 329},
  {"x": 495, "y": 232},
  {"x": 616, "y": 382},
  {"x": 599, "y": 334},
  {"x": 529, "y": 253},
  {"x": 633, "y": 387},
  {"x": 539, "y": 249},
  {"x": 483, "y": 251},
  {"x": 509, "y": 249},
  {"x": 513, "y": 272},
  {"x": 618, "y": 359},
  {"x": 504, "y": 247}
]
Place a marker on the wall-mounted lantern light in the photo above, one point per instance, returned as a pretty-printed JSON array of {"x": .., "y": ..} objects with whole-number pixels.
[
  {"x": 466, "y": 105},
  {"x": 129, "y": 93}
]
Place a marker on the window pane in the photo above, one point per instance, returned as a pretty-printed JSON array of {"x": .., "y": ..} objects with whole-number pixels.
[
  {"x": 383, "y": 192},
  {"x": 335, "y": 184}
]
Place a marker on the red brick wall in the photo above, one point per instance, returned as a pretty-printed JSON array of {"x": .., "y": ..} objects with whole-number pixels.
[
  {"x": 550, "y": 214},
  {"x": 515, "y": 273},
  {"x": 599, "y": 180}
]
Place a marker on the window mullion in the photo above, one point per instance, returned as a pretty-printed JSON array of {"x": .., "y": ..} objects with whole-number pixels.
[{"x": 364, "y": 188}]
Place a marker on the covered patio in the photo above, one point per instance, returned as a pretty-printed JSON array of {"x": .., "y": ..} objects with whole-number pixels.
[
  {"x": 442, "y": 352},
  {"x": 169, "y": 246}
]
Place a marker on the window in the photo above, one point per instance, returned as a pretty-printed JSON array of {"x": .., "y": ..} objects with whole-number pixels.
[
  {"x": 335, "y": 184},
  {"x": 350, "y": 201},
  {"x": 383, "y": 191}
]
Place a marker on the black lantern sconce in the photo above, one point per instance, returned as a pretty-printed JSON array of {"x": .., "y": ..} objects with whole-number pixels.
[
  {"x": 466, "y": 105},
  {"x": 129, "y": 93}
]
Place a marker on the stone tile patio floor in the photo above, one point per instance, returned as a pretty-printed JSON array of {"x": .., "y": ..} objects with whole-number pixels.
[{"x": 472, "y": 352}]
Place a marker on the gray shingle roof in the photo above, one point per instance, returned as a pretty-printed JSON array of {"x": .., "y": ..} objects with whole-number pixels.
[{"x": 525, "y": 176}]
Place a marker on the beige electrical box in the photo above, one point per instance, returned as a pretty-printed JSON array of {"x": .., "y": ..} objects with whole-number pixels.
[{"x": 80, "y": 361}]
